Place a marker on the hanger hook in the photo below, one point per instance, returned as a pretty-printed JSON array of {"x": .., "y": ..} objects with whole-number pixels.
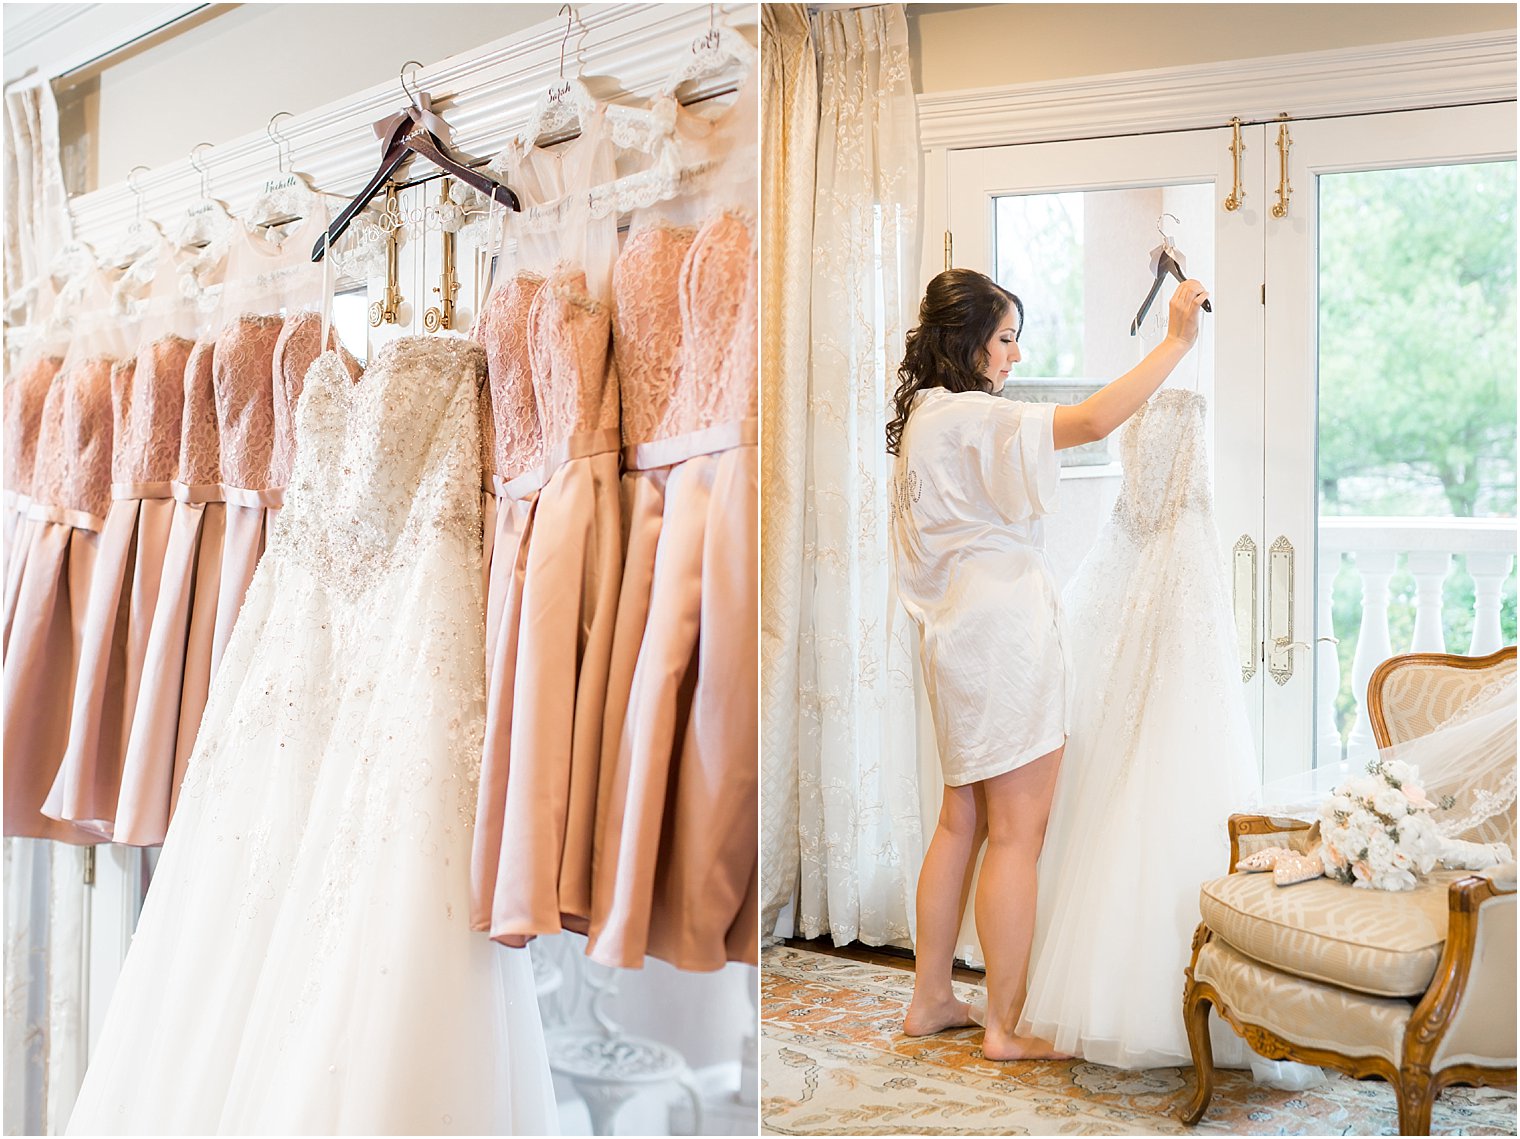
[
  {"x": 281, "y": 144},
  {"x": 1166, "y": 237},
  {"x": 199, "y": 164},
  {"x": 569, "y": 13},
  {"x": 407, "y": 91},
  {"x": 133, "y": 186}
]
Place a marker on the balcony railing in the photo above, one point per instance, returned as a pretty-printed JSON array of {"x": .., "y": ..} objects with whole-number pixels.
[{"x": 1372, "y": 547}]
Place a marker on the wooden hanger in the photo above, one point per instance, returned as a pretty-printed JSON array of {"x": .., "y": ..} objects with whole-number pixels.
[
  {"x": 1165, "y": 260},
  {"x": 413, "y": 130}
]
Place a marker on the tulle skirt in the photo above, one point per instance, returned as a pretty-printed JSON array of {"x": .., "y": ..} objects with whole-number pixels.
[
  {"x": 304, "y": 962},
  {"x": 1160, "y": 755}
]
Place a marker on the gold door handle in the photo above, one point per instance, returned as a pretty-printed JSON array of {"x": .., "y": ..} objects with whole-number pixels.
[
  {"x": 1284, "y": 187},
  {"x": 1237, "y": 196}
]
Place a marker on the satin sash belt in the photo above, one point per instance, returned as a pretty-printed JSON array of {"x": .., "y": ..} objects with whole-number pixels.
[
  {"x": 193, "y": 494},
  {"x": 19, "y": 503},
  {"x": 79, "y": 519},
  {"x": 679, "y": 448},
  {"x": 242, "y": 496},
  {"x": 142, "y": 490},
  {"x": 578, "y": 446}
]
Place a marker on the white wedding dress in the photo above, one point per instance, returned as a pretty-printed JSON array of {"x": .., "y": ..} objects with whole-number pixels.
[
  {"x": 304, "y": 961},
  {"x": 1159, "y": 756}
]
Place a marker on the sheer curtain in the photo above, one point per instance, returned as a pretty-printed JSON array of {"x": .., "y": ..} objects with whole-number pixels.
[
  {"x": 37, "y": 207},
  {"x": 839, "y": 709},
  {"x": 45, "y": 893},
  {"x": 789, "y": 132}
]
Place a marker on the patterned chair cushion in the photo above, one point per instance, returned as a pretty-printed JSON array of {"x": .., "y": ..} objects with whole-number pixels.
[
  {"x": 1372, "y": 941},
  {"x": 1300, "y": 1011}
]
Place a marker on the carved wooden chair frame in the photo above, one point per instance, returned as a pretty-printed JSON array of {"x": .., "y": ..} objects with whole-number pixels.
[{"x": 1415, "y": 1086}]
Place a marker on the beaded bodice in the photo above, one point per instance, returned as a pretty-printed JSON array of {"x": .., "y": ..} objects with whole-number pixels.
[
  {"x": 299, "y": 343},
  {"x": 242, "y": 370},
  {"x": 575, "y": 385},
  {"x": 386, "y": 463},
  {"x": 1165, "y": 464},
  {"x": 148, "y": 399},
  {"x": 517, "y": 444},
  {"x": 200, "y": 452},
  {"x": 25, "y": 399}
]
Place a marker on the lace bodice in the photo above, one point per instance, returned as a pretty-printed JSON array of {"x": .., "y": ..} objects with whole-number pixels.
[
  {"x": 1165, "y": 464},
  {"x": 24, "y": 403},
  {"x": 200, "y": 452},
  {"x": 385, "y": 463},
  {"x": 646, "y": 290},
  {"x": 574, "y": 378},
  {"x": 148, "y": 399},
  {"x": 243, "y": 378},
  {"x": 298, "y": 345},
  {"x": 74, "y": 471},
  {"x": 720, "y": 323},
  {"x": 517, "y": 443}
]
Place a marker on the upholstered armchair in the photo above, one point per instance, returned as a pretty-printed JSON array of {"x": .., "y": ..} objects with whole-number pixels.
[{"x": 1417, "y": 987}]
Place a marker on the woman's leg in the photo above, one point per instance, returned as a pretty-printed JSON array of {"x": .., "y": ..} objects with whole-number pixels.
[
  {"x": 944, "y": 880},
  {"x": 1018, "y": 806}
]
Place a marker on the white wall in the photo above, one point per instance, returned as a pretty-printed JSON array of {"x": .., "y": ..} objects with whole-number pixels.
[
  {"x": 962, "y": 46},
  {"x": 224, "y": 72}
]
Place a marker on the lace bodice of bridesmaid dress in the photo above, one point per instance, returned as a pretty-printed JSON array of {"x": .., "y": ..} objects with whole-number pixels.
[
  {"x": 24, "y": 404},
  {"x": 1165, "y": 464},
  {"x": 300, "y": 343},
  {"x": 148, "y": 400},
  {"x": 574, "y": 378},
  {"x": 200, "y": 452},
  {"x": 646, "y": 287},
  {"x": 243, "y": 379},
  {"x": 720, "y": 323},
  {"x": 74, "y": 450},
  {"x": 516, "y": 442}
]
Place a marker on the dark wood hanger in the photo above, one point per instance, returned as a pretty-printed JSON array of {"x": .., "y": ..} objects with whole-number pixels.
[
  {"x": 408, "y": 135},
  {"x": 1165, "y": 261}
]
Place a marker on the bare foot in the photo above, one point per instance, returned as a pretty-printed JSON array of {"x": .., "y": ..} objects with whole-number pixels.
[
  {"x": 997, "y": 1046},
  {"x": 924, "y": 1019}
]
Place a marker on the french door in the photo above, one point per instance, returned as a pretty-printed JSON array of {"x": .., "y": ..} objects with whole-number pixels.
[
  {"x": 1389, "y": 512},
  {"x": 1348, "y": 536}
]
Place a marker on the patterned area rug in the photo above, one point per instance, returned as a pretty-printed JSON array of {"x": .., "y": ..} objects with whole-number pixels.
[{"x": 834, "y": 1061}]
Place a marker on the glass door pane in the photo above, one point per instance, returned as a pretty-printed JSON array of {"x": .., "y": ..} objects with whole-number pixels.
[
  {"x": 1389, "y": 412},
  {"x": 1080, "y": 261},
  {"x": 1416, "y": 464}
]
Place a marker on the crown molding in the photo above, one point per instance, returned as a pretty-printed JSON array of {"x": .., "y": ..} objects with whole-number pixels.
[
  {"x": 486, "y": 95},
  {"x": 1446, "y": 71},
  {"x": 55, "y": 39}
]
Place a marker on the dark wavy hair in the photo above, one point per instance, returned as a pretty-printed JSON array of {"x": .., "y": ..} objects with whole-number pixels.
[{"x": 960, "y": 312}]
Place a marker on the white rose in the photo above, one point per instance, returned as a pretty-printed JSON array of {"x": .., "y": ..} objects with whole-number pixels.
[{"x": 1391, "y": 802}]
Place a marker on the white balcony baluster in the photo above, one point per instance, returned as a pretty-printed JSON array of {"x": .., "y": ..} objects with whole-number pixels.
[
  {"x": 1429, "y": 568},
  {"x": 1488, "y": 573}
]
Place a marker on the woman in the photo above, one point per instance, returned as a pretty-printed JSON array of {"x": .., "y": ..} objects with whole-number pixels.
[{"x": 974, "y": 474}]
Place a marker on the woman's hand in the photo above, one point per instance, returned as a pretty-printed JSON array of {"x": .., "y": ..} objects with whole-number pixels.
[{"x": 1182, "y": 319}]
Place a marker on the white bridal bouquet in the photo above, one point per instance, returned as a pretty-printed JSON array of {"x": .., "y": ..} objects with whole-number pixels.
[{"x": 1377, "y": 830}]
